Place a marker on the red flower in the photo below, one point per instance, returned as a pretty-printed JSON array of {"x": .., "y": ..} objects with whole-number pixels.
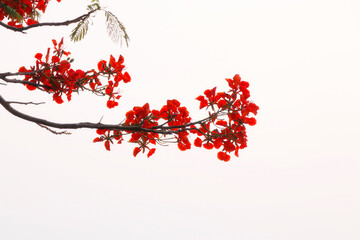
[
  {"x": 208, "y": 145},
  {"x": 57, "y": 98},
  {"x": 31, "y": 22},
  {"x": 229, "y": 146},
  {"x": 203, "y": 101},
  {"x": 102, "y": 65},
  {"x": 111, "y": 104},
  {"x": 30, "y": 87},
  {"x": 221, "y": 103},
  {"x": 253, "y": 108},
  {"x": 198, "y": 142},
  {"x": 223, "y": 156},
  {"x": 237, "y": 79},
  {"x": 38, "y": 56},
  {"x": 63, "y": 66},
  {"x": 55, "y": 59},
  {"x": 135, "y": 136}
]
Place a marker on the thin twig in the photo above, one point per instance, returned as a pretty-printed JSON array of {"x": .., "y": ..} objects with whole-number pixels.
[
  {"x": 53, "y": 131},
  {"x": 26, "y": 103}
]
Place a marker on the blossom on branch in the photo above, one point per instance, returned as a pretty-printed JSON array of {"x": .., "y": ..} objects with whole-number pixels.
[{"x": 227, "y": 112}]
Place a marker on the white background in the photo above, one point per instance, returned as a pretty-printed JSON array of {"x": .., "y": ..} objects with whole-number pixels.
[{"x": 298, "y": 178}]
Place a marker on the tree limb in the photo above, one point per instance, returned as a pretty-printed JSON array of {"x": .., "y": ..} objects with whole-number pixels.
[
  {"x": 163, "y": 130},
  {"x": 38, "y": 86},
  {"x": 65, "y": 23}
]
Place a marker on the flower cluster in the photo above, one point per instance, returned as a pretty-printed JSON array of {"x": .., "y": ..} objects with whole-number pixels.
[
  {"x": 224, "y": 129},
  {"x": 229, "y": 113},
  {"x": 26, "y": 11},
  {"x": 146, "y": 126},
  {"x": 55, "y": 75}
]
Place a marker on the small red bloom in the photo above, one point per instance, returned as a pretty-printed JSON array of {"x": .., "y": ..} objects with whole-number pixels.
[
  {"x": 63, "y": 66},
  {"x": 102, "y": 65},
  {"x": 111, "y": 104},
  {"x": 55, "y": 59},
  {"x": 57, "y": 98},
  {"x": 203, "y": 101},
  {"x": 250, "y": 121},
  {"x": 38, "y": 56},
  {"x": 221, "y": 103},
  {"x": 208, "y": 145},
  {"x": 31, "y": 22},
  {"x": 30, "y": 87},
  {"x": 229, "y": 146},
  {"x": 198, "y": 142},
  {"x": 223, "y": 156}
]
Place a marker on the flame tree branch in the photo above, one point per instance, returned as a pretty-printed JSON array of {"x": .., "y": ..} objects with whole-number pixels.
[
  {"x": 89, "y": 125},
  {"x": 64, "y": 23}
]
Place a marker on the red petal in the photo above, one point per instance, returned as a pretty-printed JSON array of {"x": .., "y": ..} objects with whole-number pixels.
[
  {"x": 151, "y": 152},
  {"x": 107, "y": 145},
  {"x": 101, "y": 131},
  {"x": 126, "y": 77},
  {"x": 38, "y": 56},
  {"x": 136, "y": 151}
]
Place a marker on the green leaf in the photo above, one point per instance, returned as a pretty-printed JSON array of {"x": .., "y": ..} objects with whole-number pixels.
[
  {"x": 35, "y": 15},
  {"x": 115, "y": 28},
  {"x": 79, "y": 32},
  {"x": 13, "y": 14},
  {"x": 93, "y": 7}
]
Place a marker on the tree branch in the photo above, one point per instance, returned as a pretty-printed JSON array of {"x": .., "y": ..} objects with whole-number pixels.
[
  {"x": 65, "y": 23},
  {"x": 163, "y": 130},
  {"x": 38, "y": 86}
]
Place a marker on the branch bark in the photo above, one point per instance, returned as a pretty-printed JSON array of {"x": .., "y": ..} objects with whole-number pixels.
[
  {"x": 65, "y": 23},
  {"x": 89, "y": 125},
  {"x": 38, "y": 86}
]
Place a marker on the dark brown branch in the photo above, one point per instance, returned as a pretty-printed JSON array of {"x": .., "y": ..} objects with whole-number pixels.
[
  {"x": 65, "y": 23},
  {"x": 7, "y": 74},
  {"x": 9, "y": 108},
  {"x": 38, "y": 86}
]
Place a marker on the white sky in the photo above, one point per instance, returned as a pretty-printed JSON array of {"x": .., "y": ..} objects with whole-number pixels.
[{"x": 298, "y": 178}]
